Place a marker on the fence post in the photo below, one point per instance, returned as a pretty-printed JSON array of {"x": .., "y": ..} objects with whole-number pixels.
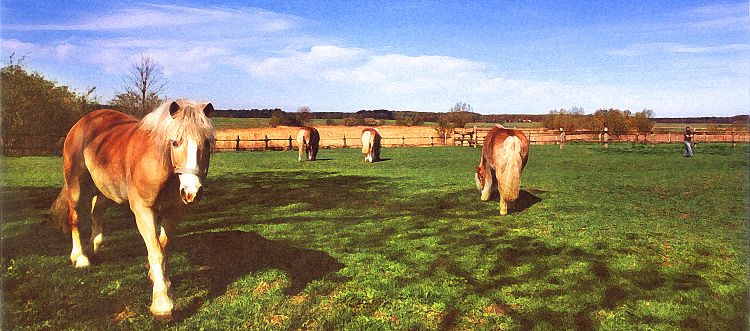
[
  {"x": 475, "y": 137},
  {"x": 432, "y": 143},
  {"x": 445, "y": 138},
  {"x": 344, "y": 140},
  {"x": 669, "y": 137},
  {"x": 290, "y": 142},
  {"x": 734, "y": 143},
  {"x": 403, "y": 141},
  {"x": 266, "y": 141},
  {"x": 237, "y": 145}
]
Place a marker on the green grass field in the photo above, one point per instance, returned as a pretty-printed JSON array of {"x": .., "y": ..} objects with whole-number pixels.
[{"x": 633, "y": 237}]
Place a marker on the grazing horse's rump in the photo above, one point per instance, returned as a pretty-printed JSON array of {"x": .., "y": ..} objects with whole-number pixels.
[
  {"x": 156, "y": 165},
  {"x": 308, "y": 140},
  {"x": 504, "y": 155},
  {"x": 371, "y": 144}
]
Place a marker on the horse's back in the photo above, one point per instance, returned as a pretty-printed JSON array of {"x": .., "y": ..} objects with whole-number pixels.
[
  {"x": 308, "y": 134},
  {"x": 98, "y": 144},
  {"x": 495, "y": 141}
]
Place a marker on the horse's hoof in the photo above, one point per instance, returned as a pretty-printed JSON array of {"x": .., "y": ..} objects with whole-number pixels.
[
  {"x": 82, "y": 261},
  {"x": 162, "y": 316}
]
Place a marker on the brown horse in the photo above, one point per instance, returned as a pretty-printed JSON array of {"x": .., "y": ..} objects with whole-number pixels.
[
  {"x": 155, "y": 165},
  {"x": 504, "y": 155},
  {"x": 371, "y": 144},
  {"x": 308, "y": 140}
]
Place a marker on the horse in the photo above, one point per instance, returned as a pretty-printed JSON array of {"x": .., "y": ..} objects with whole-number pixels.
[
  {"x": 504, "y": 155},
  {"x": 156, "y": 165},
  {"x": 308, "y": 140},
  {"x": 371, "y": 144}
]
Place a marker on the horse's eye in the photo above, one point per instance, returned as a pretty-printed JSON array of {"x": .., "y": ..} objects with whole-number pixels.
[{"x": 176, "y": 143}]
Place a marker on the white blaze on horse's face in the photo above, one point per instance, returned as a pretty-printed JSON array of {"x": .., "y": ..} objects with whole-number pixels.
[{"x": 185, "y": 161}]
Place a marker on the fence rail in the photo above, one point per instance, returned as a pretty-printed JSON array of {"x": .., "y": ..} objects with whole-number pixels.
[
  {"x": 27, "y": 144},
  {"x": 475, "y": 136}
]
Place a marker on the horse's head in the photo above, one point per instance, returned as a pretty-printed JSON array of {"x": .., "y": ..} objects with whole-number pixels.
[
  {"x": 479, "y": 177},
  {"x": 190, "y": 148}
]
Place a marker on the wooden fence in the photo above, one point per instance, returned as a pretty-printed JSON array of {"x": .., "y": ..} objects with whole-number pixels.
[
  {"x": 475, "y": 136},
  {"x": 266, "y": 143},
  {"x": 32, "y": 145}
]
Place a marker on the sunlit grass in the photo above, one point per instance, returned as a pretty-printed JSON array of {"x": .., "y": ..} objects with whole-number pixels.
[{"x": 624, "y": 238}]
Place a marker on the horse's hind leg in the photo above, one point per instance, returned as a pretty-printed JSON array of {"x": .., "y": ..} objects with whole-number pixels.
[
  {"x": 99, "y": 204},
  {"x": 76, "y": 181}
]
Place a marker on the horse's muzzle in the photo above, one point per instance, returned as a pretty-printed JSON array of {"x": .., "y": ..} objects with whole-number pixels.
[{"x": 190, "y": 197}]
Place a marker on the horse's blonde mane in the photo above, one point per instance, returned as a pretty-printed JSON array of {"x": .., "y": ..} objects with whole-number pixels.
[{"x": 189, "y": 123}]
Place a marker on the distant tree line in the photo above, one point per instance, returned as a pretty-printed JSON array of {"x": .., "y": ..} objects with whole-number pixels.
[
  {"x": 380, "y": 114},
  {"x": 615, "y": 120}
]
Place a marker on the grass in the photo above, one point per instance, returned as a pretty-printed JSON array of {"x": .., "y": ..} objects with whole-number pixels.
[{"x": 633, "y": 237}]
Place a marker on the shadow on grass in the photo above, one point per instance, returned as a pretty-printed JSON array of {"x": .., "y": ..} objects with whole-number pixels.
[
  {"x": 26, "y": 206},
  {"x": 526, "y": 199},
  {"x": 224, "y": 257}
]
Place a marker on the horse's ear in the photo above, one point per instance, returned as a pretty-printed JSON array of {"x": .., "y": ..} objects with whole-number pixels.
[
  {"x": 208, "y": 109},
  {"x": 173, "y": 108}
]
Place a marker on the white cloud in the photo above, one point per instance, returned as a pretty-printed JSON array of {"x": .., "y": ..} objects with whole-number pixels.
[
  {"x": 154, "y": 16},
  {"x": 650, "y": 48},
  {"x": 723, "y": 17},
  {"x": 320, "y": 61}
]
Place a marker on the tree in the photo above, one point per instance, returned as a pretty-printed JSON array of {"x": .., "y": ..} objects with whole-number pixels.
[
  {"x": 143, "y": 82},
  {"x": 36, "y": 113},
  {"x": 617, "y": 121},
  {"x": 460, "y": 114},
  {"x": 304, "y": 115},
  {"x": 643, "y": 121},
  {"x": 568, "y": 120}
]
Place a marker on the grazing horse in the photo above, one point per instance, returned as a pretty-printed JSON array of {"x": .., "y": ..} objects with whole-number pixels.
[
  {"x": 504, "y": 155},
  {"x": 308, "y": 140},
  {"x": 155, "y": 165},
  {"x": 371, "y": 144}
]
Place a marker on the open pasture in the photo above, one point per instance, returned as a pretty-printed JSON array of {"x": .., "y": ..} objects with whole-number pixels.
[{"x": 633, "y": 237}]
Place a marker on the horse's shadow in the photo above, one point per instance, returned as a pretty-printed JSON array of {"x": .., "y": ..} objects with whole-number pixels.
[
  {"x": 525, "y": 200},
  {"x": 224, "y": 257}
]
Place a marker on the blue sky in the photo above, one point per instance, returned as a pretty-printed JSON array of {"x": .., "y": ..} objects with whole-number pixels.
[{"x": 678, "y": 58}]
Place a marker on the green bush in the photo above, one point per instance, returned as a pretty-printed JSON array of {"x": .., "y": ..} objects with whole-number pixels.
[
  {"x": 37, "y": 113},
  {"x": 281, "y": 118},
  {"x": 353, "y": 121}
]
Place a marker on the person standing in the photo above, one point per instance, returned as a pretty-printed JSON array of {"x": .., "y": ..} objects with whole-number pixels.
[{"x": 687, "y": 139}]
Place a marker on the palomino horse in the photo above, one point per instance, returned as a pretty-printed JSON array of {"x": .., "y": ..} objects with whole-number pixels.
[
  {"x": 308, "y": 140},
  {"x": 504, "y": 155},
  {"x": 155, "y": 165},
  {"x": 371, "y": 144}
]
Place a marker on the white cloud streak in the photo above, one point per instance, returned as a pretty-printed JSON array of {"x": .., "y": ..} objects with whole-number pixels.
[
  {"x": 155, "y": 16},
  {"x": 650, "y": 48}
]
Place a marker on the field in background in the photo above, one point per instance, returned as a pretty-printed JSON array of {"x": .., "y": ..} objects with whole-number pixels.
[{"x": 633, "y": 237}]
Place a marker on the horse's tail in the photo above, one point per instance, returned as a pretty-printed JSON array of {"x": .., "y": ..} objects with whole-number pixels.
[
  {"x": 366, "y": 142},
  {"x": 301, "y": 141},
  {"x": 59, "y": 210},
  {"x": 511, "y": 182}
]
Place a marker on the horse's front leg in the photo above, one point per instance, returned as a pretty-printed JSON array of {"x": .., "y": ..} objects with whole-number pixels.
[
  {"x": 161, "y": 303},
  {"x": 489, "y": 183},
  {"x": 167, "y": 234},
  {"x": 99, "y": 204}
]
